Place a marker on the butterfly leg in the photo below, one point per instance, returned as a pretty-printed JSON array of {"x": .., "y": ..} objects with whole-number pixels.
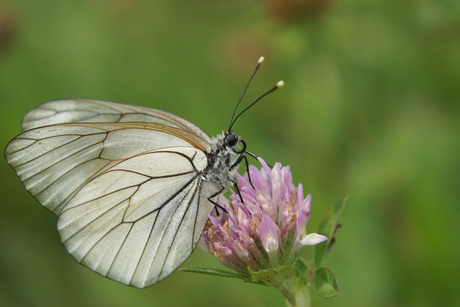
[
  {"x": 215, "y": 203},
  {"x": 237, "y": 162},
  {"x": 238, "y": 190}
]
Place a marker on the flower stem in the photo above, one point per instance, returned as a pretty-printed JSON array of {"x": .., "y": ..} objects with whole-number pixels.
[{"x": 296, "y": 292}]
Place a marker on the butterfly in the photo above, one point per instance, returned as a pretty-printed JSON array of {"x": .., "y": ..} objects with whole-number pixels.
[{"x": 132, "y": 187}]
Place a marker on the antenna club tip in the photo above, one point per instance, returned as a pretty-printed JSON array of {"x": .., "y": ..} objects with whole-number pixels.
[
  {"x": 280, "y": 84},
  {"x": 261, "y": 59}
]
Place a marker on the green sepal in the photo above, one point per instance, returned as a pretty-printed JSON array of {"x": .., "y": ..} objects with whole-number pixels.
[
  {"x": 271, "y": 277},
  {"x": 302, "y": 274}
]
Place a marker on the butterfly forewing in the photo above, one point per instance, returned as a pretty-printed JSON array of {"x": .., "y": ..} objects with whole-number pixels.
[
  {"x": 129, "y": 197},
  {"x": 87, "y": 110}
]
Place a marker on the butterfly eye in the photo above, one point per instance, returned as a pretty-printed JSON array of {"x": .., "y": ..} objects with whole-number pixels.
[{"x": 231, "y": 139}]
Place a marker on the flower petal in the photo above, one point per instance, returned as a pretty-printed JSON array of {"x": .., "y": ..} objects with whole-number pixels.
[
  {"x": 269, "y": 234},
  {"x": 313, "y": 239}
]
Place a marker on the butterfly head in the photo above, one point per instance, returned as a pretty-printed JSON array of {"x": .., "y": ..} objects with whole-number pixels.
[{"x": 232, "y": 140}]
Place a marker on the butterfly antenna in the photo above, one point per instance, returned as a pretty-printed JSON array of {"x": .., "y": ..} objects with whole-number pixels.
[
  {"x": 277, "y": 86},
  {"x": 260, "y": 61}
]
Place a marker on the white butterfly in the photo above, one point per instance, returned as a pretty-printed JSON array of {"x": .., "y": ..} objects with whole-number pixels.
[{"x": 132, "y": 186}]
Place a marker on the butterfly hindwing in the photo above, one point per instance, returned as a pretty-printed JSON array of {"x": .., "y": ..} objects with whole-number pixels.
[{"x": 136, "y": 227}]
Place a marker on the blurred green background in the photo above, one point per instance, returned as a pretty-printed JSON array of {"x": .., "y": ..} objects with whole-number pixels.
[{"x": 370, "y": 108}]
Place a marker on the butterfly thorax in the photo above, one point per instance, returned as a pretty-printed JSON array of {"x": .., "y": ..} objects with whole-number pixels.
[{"x": 221, "y": 160}]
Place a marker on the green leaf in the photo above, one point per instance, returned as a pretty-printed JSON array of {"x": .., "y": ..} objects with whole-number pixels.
[
  {"x": 211, "y": 271},
  {"x": 328, "y": 227},
  {"x": 325, "y": 283}
]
